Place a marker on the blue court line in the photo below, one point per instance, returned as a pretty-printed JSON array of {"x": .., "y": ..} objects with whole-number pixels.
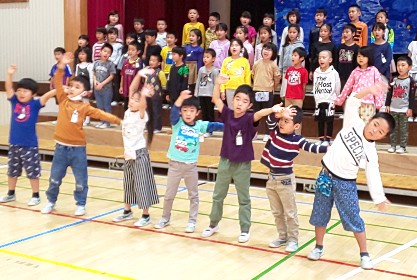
[
  {"x": 264, "y": 198},
  {"x": 57, "y": 229}
]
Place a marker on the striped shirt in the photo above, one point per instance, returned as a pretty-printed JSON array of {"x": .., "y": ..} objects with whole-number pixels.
[
  {"x": 128, "y": 73},
  {"x": 281, "y": 149}
]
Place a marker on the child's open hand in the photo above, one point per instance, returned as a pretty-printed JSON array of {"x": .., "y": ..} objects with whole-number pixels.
[
  {"x": 185, "y": 94},
  {"x": 378, "y": 88},
  {"x": 11, "y": 69},
  {"x": 145, "y": 72},
  {"x": 67, "y": 58},
  {"x": 148, "y": 90},
  {"x": 222, "y": 79}
]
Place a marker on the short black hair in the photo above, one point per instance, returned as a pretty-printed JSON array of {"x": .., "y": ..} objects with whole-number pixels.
[
  {"x": 161, "y": 19},
  {"x": 210, "y": 51},
  {"x": 246, "y": 89},
  {"x": 140, "y": 20},
  {"x": 132, "y": 35},
  {"x": 246, "y": 14},
  {"x": 388, "y": 117},
  {"x": 84, "y": 81},
  {"x": 382, "y": 11},
  {"x": 59, "y": 49},
  {"x": 273, "y": 47},
  {"x": 405, "y": 58},
  {"x": 107, "y": 45},
  {"x": 84, "y": 36},
  {"x": 296, "y": 13},
  {"x": 191, "y": 102},
  {"x": 379, "y": 25},
  {"x": 321, "y": 10},
  {"x": 158, "y": 56},
  {"x": 298, "y": 117},
  {"x": 150, "y": 32},
  {"x": 367, "y": 51},
  {"x": 136, "y": 45},
  {"x": 351, "y": 27},
  {"x": 355, "y": 6},
  {"x": 301, "y": 52},
  {"x": 172, "y": 33},
  {"x": 221, "y": 26},
  {"x": 113, "y": 30},
  {"x": 269, "y": 15},
  {"x": 215, "y": 14},
  {"x": 101, "y": 30},
  {"x": 28, "y": 83},
  {"x": 180, "y": 51}
]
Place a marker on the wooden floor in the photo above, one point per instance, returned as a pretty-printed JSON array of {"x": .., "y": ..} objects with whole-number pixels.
[{"x": 63, "y": 246}]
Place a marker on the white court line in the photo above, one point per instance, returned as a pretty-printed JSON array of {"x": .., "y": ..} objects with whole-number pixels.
[
  {"x": 385, "y": 257},
  {"x": 3, "y": 166}
]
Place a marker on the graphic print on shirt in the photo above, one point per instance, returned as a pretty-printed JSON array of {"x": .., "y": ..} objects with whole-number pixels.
[
  {"x": 322, "y": 86},
  {"x": 346, "y": 56},
  {"x": 353, "y": 143},
  {"x": 294, "y": 78},
  {"x": 21, "y": 112},
  {"x": 205, "y": 78},
  {"x": 187, "y": 139},
  {"x": 169, "y": 60},
  {"x": 400, "y": 92}
]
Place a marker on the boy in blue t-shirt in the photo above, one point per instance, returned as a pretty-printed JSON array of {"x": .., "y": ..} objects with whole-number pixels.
[
  {"x": 58, "y": 53},
  {"x": 183, "y": 154},
  {"x": 23, "y": 141}
]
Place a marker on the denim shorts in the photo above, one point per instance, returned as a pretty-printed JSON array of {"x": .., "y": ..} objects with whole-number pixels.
[{"x": 27, "y": 157}]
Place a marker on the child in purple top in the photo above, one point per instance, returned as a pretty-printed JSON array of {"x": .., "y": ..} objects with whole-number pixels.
[
  {"x": 236, "y": 155},
  {"x": 194, "y": 56}
]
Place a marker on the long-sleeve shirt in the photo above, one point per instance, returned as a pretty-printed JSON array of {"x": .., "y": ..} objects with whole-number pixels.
[
  {"x": 389, "y": 36},
  {"x": 401, "y": 95},
  {"x": 177, "y": 81},
  {"x": 281, "y": 149},
  {"x": 186, "y": 32},
  {"x": 382, "y": 58},
  {"x": 284, "y": 35},
  {"x": 251, "y": 52},
  {"x": 238, "y": 71},
  {"x": 346, "y": 60},
  {"x": 221, "y": 48},
  {"x": 359, "y": 79},
  {"x": 326, "y": 85},
  {"x": 185, "y": 144},
  {"x": 206, "y": 80},
  {"x": 315, "y": 51},
  {"x": 361, "y": 35},
  {"x": 265, "y": 75},
  {"x": 351, "y": 151},
  {"x": 285, "y": 55},
  {"x": 71, "y": 115},
  {"x": 194, "y": 53}
]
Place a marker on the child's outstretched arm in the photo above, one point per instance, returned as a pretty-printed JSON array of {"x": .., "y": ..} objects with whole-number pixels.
[
  {"x": 59, "y": 74},
  {"x": 280, "y": 112},
  {"x": 8, "y": 84},
  {"x": 45, "y": 97},
  {"x": 175, "y": 110},
  {"x": 143, "y": 73},
  {"x": 221, "y": 80}
]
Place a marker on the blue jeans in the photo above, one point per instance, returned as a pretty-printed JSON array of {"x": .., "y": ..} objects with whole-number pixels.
[
  {"x": 104, "y": 98},
  {"x": 76, "y": 158}
]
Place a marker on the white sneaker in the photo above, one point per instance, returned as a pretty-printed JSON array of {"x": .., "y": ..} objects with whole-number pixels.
[
  {"x": 103, "y": 126},
  {"x": 391, "y": 149},
  {"x": 319, "y": 143},
  {"x": 143, "y": 222},
  {"x": 54, "y": 122},
  {"x": 315, "y": 254},
  {"x": 366, "y": 262},
  {"x": 123, "y": 217},
  {"x": 325, "y": 144},
  {"x": 7, "y": 198},
  {"x": 244, "y": 237},
  {"x": 209, "y": 231},
  {"x": 341, "y": 116},
  {"x": 291, "y": 247},
  {"x": 34, "y": 201},
  {"x": 48, "y": 208},
  {"x": 80, "y": 210},
  {"x": 266, "y": 138},
  {"x": 410, "y": 119},
  {"x": 190, "y": 228},
  {"x": 400, "y": 150},
  {"x": 98, "y": 125},
  {"x": 415, "y": 119},
  {"x": 114, "y": 103},
  {"x": 161, "y": 224},
  {"x": 277, "y": 243},
  {"x": 208, "y": 134}
]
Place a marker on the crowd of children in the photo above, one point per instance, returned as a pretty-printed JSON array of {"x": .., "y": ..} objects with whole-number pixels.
[{"x": 210, "y": 70}]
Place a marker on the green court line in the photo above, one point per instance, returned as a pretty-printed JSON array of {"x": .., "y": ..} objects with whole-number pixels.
[{"x": 281, "y": 261}]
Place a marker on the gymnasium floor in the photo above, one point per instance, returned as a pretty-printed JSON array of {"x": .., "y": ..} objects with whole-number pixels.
[{"x": 63, "y": 246}]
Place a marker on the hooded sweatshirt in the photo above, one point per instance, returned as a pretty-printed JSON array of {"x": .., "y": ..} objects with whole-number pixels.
[
  {"x": 326, "y": 85},
  {"x": 285, "y": 55}
]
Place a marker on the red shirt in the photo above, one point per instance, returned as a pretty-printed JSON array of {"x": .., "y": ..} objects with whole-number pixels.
[{"x": 296, "y": 79}]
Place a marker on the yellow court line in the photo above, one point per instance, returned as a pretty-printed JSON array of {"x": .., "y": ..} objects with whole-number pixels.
[{"x": 67, "y": 265}]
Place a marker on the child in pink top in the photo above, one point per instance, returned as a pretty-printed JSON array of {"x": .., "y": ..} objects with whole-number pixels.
[
  {"x": 245, "y": 20},
  {"x": 363, "y": 76},
  {"x": 221, "y": 45},
  {"x": 242, "y": 34}
]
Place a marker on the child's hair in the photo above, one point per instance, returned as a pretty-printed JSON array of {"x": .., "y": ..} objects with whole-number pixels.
[
  {"x": 59, "y": 49},
  {"x": 180, "y": 51},
  {"x": 215, "y": 14},
  {"x": 287, "y": 39},
  {"x": 113, "y": 30},
  {"x": 244, "y": 52},
  {"x": 246, "y": 89},
  {"x": 84, "y": 81},
  {"x": 210, "y": 51},
  {"x": 269, "y": 15},
  {"x": 268, "y": 29},
  {"x": 150, "y": 32},
  {"x": 136, "y": 45},
  {"x": 222, "y": 26},
  {"x": 351, "y": 27},
  {"x": 87, "y": 51},
  {"x": 329, "y": 27},
  {"x": 197, "y": 32},
  {"x": 388, "y": 117},
  {"x": 298, "y": 117},
  {"x": 101, "y": 30},
  {"x": 382, "y": 11},
  {"x": 158, "y": 57},
  {"x": 379, "y": 25},
  {"x": 273, "y": 47},
  {"x": 191, "y": 102},
  {"x": 193, "y": 8},
  {"x": 84, "y": 37},
  {"x": 297, "y": 15},
  {"x": 150, "y": 122},
  {"x": 301, "y": 52},
  {"x": 405, "y": 58},
  {"x": 132, "y": 35},
  {"x": 107, "y": 45},
  {"x": 366, "y": 51},
  {"x": 321, "y": 10},
  {"x": 244, "y": 29},
  {"x": 112, "y": 13},
  {"x": 139, "y": 20},
  {"x": 29, "y": 84},
  {"x": 246, "y": 14},
  {"x": 162, "y": 19},
  {"x": 356, "y": 7},
  {"x": 172, "y": 33}
]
